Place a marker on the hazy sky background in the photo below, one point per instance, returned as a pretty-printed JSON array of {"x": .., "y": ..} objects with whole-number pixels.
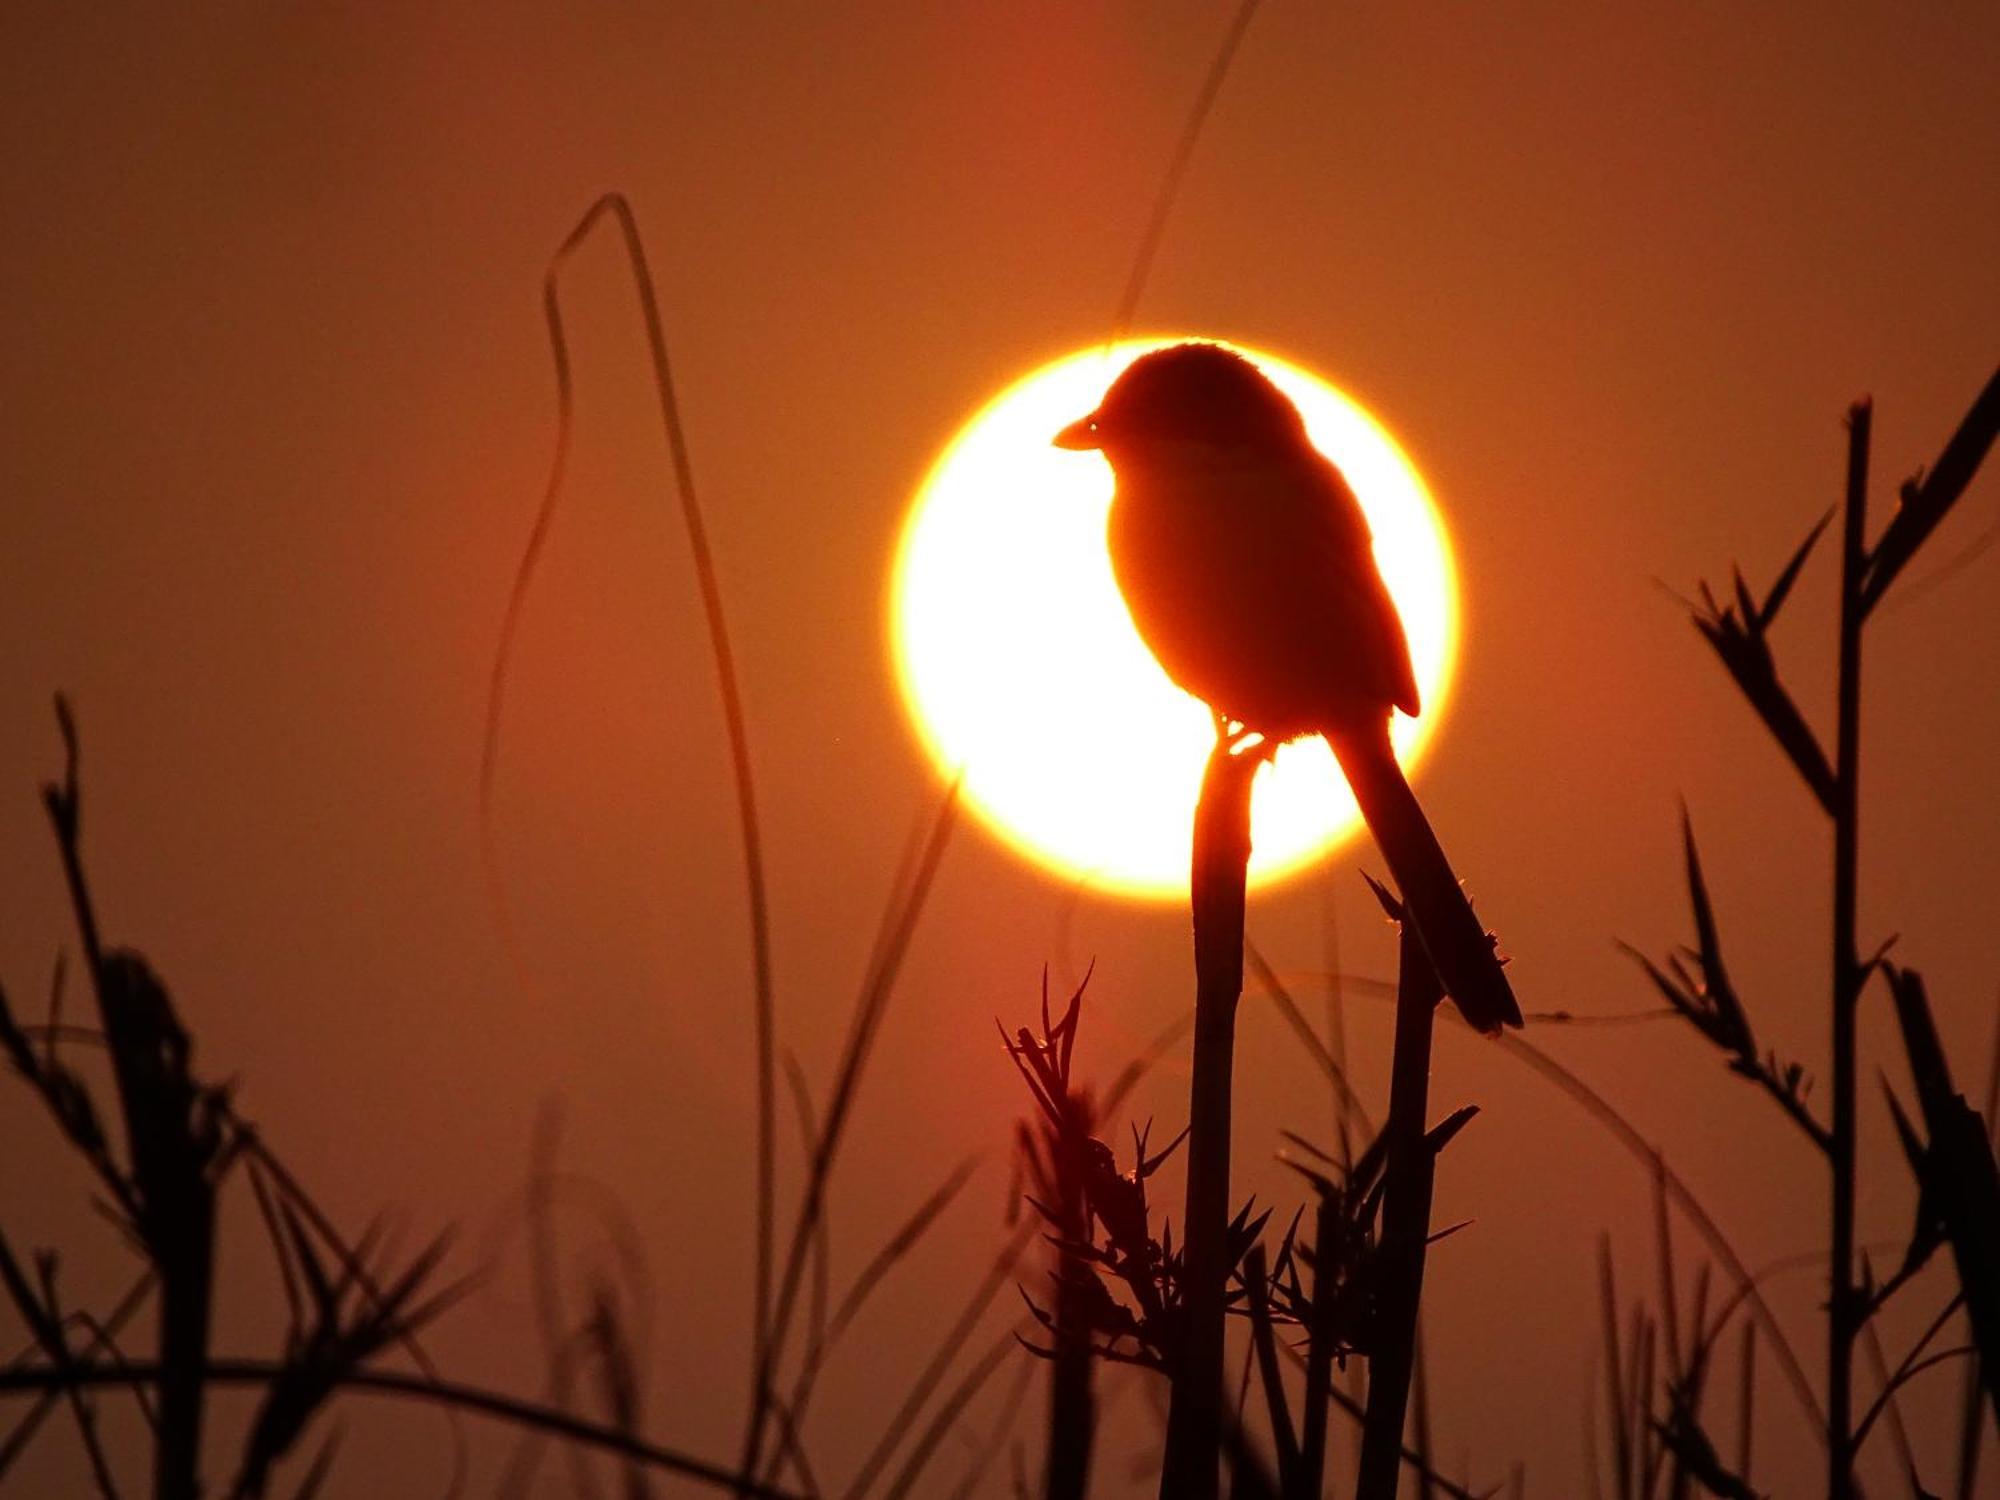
[{"x": 278, "y": 407}]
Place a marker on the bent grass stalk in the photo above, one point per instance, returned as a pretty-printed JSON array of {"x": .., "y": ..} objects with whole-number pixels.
[
  {"x": 618, "y": 209},
  {"x": 257, "y": 1373}
]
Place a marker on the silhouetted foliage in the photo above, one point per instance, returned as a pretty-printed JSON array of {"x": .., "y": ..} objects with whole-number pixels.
[
  {"x": 1951, "y": 1160},
  {"x": 1118, "y": 1283}
]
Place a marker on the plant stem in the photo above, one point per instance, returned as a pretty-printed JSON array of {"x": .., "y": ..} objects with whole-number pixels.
[
  {"x": 1844, "y": 1302},
  {"x": 1221, "y": 861},
  {"x": 1406, "y": 1217},
  {"x": 1257, "y": 1282},
  {"x": 1319, "y": 1352},
  {"x": 169, "y": 1194},
  {"x": 1072, "y": 1396}
]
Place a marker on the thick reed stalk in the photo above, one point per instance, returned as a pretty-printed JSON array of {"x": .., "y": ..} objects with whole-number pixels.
[
  {"x": 1844, "y": 1307},
  {"x": 1406, "y": 1218},
  {"x": 1072, "y": 1393},
  {"x": 1221, "y": 860},
  {"x": 1072, "y": 1407}
]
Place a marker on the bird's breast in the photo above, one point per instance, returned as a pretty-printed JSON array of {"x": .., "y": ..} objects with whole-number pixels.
[{"x": 1254, "y": 585}]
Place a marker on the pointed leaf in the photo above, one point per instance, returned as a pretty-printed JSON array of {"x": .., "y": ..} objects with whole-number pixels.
[
  {"x": 1448, "y": 1128},
  {"x": 1928, "y": 498},
  {"x": 1782, "y": 586}
]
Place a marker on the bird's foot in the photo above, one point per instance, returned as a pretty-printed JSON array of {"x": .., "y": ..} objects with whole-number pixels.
[{"x": 1239, "y": 740}]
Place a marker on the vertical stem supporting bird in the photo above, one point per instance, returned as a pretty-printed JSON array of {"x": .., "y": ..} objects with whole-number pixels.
[{"x": 1218, "y": 877}]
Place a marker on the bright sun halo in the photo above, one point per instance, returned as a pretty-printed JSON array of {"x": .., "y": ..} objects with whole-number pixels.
[{"x": 1021, "y": 668}]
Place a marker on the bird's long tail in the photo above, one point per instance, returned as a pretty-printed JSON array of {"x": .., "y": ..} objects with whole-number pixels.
[{"x": 1459, "y": 948}]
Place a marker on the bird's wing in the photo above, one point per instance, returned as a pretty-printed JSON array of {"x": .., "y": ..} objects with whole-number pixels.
[
  {"x": 1327, "y": 595},
  {"x": 1253, "y": 580}
]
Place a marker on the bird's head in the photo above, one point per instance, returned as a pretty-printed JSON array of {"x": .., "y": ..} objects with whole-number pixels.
[{"x": 1187, "y": 394}]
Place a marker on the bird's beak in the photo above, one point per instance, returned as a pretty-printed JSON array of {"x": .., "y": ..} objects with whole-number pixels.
[{"x": 1082, "y": 434}]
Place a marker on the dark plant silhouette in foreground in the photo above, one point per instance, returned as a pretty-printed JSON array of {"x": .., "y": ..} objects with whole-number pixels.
[
  {"x": 1951, "y": 1156},
  {"x": 1120, "y": 1288},
  {"x": 1667, "y": 1446},
  {"x": 170, "y": 1144},
  {"x": 1098, "y": 1219}
]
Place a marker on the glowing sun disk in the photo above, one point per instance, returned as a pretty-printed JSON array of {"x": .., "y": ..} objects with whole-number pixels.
[{"x": 1021, "y": 668}]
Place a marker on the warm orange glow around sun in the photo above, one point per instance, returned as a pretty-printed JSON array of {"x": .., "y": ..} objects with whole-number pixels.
[{"x": 1020, "y": 666}]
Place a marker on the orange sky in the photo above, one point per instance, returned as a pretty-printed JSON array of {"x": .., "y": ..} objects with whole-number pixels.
[{"x": 278, "y": 408}]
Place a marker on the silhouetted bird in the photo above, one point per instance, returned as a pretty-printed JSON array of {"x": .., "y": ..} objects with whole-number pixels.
[{"x": 1249, "y": 570}]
